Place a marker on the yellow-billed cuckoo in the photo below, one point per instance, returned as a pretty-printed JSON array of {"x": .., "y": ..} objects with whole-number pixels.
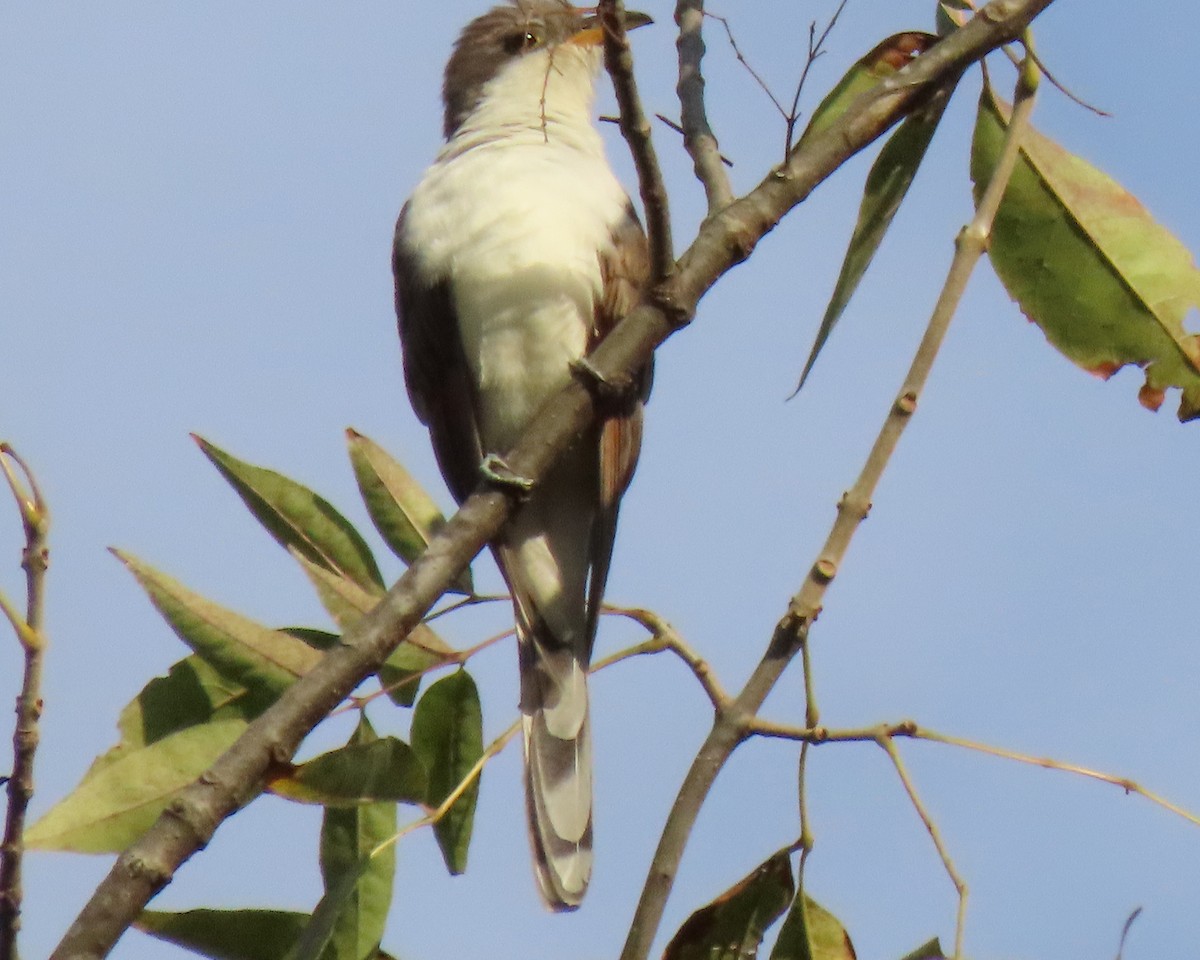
[{"x": 517, "y": 252}]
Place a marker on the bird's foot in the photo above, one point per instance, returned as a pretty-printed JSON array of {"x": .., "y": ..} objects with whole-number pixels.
[
  {"x": 613, "y": 395},
  {"x": 499, "y": 474}
]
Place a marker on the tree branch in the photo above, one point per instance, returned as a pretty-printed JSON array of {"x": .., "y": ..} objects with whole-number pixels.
[
  {"x": 698, "y": 138},
  {"x": 791, "y": 633},
  {"x": 723, "y": 241},
  {"x": 635, "y": 127},
  {"x": 35, "y": 558}
]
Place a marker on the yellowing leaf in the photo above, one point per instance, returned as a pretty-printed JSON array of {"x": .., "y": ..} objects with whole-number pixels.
[
  {"x": 1107, "y": 284},
  {"x": 262, "y": 660},
  {"x": 118, "y": 800},
  {"x": 811, "y": 932}
]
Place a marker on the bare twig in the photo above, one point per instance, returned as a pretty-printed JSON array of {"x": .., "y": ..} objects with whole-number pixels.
[
  {"x": 889, "y": 747},
  {"x": 35, "y": 558},
  {"x": 741, "y": 58},
  {"x": 725, "y": 239},
  {"x": 698, "y": 137},
  {"x": 663, "y": 636},
  {"x": 452, "y": 797},
  {"x": 791, "y": 634},
  {"x": 816, "y": 47},
  {"x": 635, "y": 127},
  {"x": 678, "y": 128}
]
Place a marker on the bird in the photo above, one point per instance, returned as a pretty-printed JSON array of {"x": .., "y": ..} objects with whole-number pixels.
[{"x": 515, "y": 254}]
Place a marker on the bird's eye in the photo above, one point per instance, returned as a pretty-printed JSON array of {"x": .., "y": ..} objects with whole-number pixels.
[{"x": 527, "y": 39}]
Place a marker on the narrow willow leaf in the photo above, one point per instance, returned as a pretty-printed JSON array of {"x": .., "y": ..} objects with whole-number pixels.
[
  {"x": 262, "y": 660},
  {"x": 1084, "y": 260},
  {"x": 227, "y": 934},
  {"x": 732, "y": 926},
  {"x": 403, "y": 513},
  {"x": 346, "y": 602},
  {"x": 811, "y": 932},
  {"x": 883, "y": 61},
  {"x": 296, "y": 516},
  {"x": 447, "y": 734},
  {"x": 887, "y": 184},
  {"x": 118, "y": 800},
  {"x": 349, "y": 837},
  {"x": 344, "y": 599},
  {"x": 932, "y": 950},
  {"x": 381, "y": 769}
]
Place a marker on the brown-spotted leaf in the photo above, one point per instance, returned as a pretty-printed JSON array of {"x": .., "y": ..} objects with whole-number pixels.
[
  {"x": 403, "y": 513},
  {"x": 732, "y": 926},
  {"x": 1107, "y": 284},
  {"x": 883, "y": 61}
]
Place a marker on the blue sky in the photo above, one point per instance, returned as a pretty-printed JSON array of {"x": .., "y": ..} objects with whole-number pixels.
[{"x": 197, "y": 204}]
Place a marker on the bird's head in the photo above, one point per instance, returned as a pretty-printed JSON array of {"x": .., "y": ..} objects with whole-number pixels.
[{"x": 528, "y": 43}]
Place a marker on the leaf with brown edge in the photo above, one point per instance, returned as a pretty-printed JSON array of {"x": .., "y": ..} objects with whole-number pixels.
[
  {"x": 403, "y": 513},
  {"x": 1085, "y": 261},
  {"x": 297, "y": 517},
  {"x": 885, "y": 59},
  {"x": 732, "y": 926}
]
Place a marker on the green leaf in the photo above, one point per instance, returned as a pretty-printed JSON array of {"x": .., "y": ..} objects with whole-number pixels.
[
  {"x": 447, "y": 734},
  {"x": 403, "y": 513},
  {"x": 887, "y": 184},
  {"x": 346, "y": 602},
  {"x": 117, "y": 800},
  {"x": 811, "y": 932},
  {"x": 262, "y": 660},
  {"x": 1084, "y": 260},
  {"x": 932, "y": 950},
  {"x": 883, "y": 61},
  {"x": 366, "y": 772},
  {"x": 349, "y": 922},
  {"x": 297, "y": 517},
  {"x": 227, "y": 934},
  {"x": 732, "y": 926},
  {"x": 192, "y": 693}
]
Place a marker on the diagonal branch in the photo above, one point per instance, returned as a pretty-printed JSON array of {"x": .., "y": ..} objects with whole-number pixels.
[{"x": 723, "y": 241}]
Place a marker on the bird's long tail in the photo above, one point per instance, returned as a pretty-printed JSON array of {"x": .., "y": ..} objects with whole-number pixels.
[{"x": 547, "y": 559}]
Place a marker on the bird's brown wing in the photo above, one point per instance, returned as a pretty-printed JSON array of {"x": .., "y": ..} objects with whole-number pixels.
[
  {"x": 625, "y": 271},
  {"x": 435, "y": 369}
]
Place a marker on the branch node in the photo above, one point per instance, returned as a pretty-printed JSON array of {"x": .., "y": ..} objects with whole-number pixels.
[{"x": 825, "y": 569}]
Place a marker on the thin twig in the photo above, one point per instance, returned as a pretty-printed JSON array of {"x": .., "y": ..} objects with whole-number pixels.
[
  {"x": 741, "y": 58},
  {"x": 723, "y": 240},
  {"x": 452, "y": 797},
  {"x": 635, "y": 127},
  {"x": 698, "y": 138},
  {"x": 816, "y": 47},
  {"x": 663, "y": 636},
  {"x": 35, "y": 558},
  {"x": 889, "y": 747},
  {"x": 791, "y": 633},
  {"x": 678, "y": 128},
  {"x": 474, "y": 599}
]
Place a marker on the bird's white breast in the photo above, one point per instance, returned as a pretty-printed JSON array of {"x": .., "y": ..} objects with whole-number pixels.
[{"x": 514, "y": 214}]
